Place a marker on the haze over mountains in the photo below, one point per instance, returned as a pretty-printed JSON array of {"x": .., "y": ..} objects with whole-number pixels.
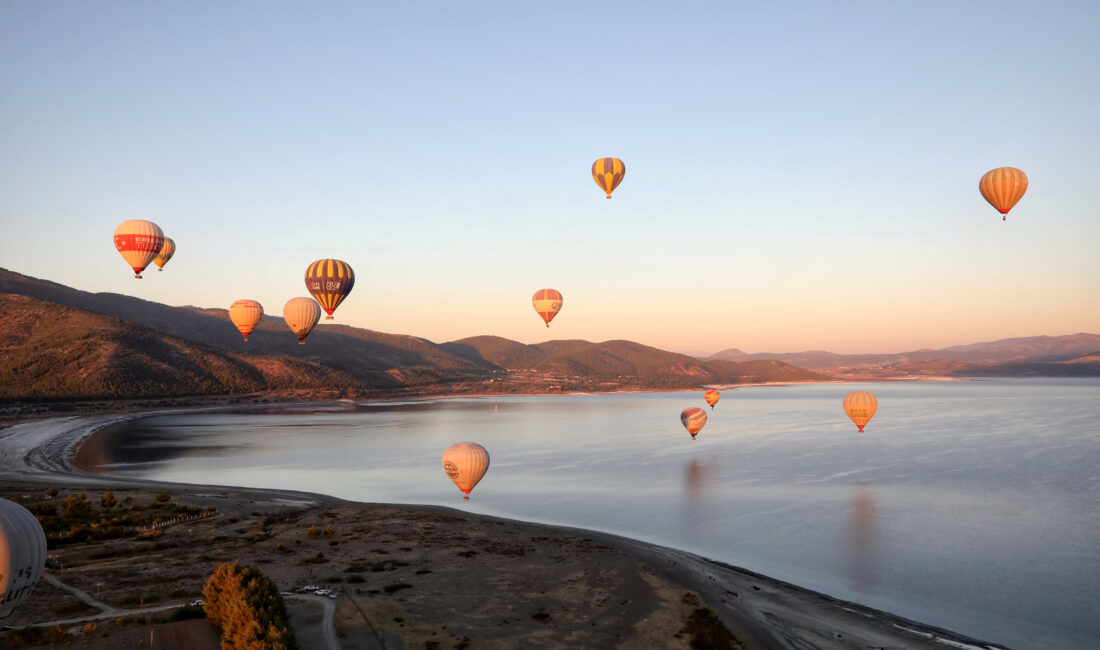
[{"x": 1056, "y": 356}]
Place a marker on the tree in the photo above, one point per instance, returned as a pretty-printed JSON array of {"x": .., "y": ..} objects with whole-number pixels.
[
  {"x": 246, "y": 607},
  {"x": 109, "y": 500}
]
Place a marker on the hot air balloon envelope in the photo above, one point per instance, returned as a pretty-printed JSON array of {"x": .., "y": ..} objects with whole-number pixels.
[
  {"x": 465, "y": 463},
  {"x": 1003, "y": 188},
  {"x": 22, "y": 555},
  {"x": 608, "y": 173},
  {"x": 301, "y": 314},
  {"x": 547, "y": 303},
  {"x": 165, "y": 254},
  {"x": 860, "y": 406},
  {"x": 693, "y": 420},
  {"x": 139, "y": 242},
  {"x": 329, "y": 281},
  {"x": 245, "y": 314},
  {"x": 712, "y": 396}
]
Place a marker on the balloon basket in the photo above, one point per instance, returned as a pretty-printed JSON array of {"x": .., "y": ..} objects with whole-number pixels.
[
  {"x": 465, "y": 498},
  {"x": 300, "y": 342},
  {"x": 330, "y": 318}
]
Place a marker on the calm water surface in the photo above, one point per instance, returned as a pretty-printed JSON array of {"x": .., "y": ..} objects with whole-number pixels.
[{"x": 968, "y": 505}]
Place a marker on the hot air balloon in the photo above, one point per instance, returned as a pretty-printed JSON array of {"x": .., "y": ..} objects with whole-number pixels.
[
  {"x": 608, "y": 173},
  {"x": 165, "y": 254},
  {"x": 138, "y": 241},
  {"x": 301, "y": 314},
  {"x": 693, "y": 420},
  {"x": 860, "y": 406},
  {"x": 1003, "y": 187},
  {"x": 465, "y": 463},
  {"x": 547, "y": 303},
  {"x": 245, "y": 314},
  {"x": 22, "y": 555},
  {"x": 712, "y": 396},
  {"x": 330, "y": 281}
]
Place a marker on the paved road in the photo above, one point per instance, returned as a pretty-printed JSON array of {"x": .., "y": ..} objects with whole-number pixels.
[{"x": 328, "y": 625}]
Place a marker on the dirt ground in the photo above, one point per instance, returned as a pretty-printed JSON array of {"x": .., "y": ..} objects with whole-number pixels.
[{"x": 404, "y": 577}]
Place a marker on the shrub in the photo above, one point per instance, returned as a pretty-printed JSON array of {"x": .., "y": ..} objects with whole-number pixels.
[
  {"x": 313, "y": 531},
  {"x": 108, "y": 500},
  {"x": 163, "y": 497}
]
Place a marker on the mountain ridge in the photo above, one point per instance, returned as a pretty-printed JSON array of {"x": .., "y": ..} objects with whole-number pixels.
[{"x": 199, "y": 351}]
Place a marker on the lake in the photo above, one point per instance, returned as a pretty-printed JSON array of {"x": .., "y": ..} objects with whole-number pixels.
[{"x": 968, "y": 505}]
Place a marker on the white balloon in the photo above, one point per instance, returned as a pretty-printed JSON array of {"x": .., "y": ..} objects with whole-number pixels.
[{"x": 22, "y": 555}]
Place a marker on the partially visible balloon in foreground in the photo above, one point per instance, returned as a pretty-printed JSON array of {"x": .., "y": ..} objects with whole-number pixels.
[
  {"x": 245, "y": 314},
  {"x": 301, "y": 314},
  {"x": 138, "y": 241},
  {"x": 547, "y": 303},
  {"x": 465, "y": 463},
  {"x": 1003, "y": 187},
  {"x": 860, "y": 406},
  {"x": 608, "y": 173},
  {"x": 329, "y": 281},
  {"x": 712, "y": 396},
  {"x": 165, "y": 254},
  {"x": 22, "y": 555},
  {"x": 693, "y": 420}
]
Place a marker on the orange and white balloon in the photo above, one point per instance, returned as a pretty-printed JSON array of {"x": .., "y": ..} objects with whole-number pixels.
[
  {"x": 165, "y": 254},
  {"x": 1003, "y": 188},
  {"x": 860, "y": 406},
  {"x": 465, "y": 464},
  {"x": 712, "y": 396},
  {"x": 301, "y": 314},
  {"x": 693, "y": 420},
  {"x": 139, "y": 242},
  {"x": 246, "y": 314},
  {"x": 547, "y": 303}
]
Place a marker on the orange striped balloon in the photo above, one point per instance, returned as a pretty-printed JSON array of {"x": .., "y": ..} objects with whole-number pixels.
[
  {"x": 1003, "y": 188},
  {"x": 245, "y": 314},
  {"x": 165, "y": 254},
  {"x": 712, "y": 396},
  {"x": 693, "y": 420},
  {"x": 330, "y": 281},
  {"x": 608, "y": 173},
  {"x": 138, "y": 241},
  {"x": 547, "y": 303},
  {"x": 860, "y": 406}
]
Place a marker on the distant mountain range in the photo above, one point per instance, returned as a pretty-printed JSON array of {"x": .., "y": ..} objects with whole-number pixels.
[
  {"x": 1072, "y": 355},
  {"x": 63, "y": 343}
]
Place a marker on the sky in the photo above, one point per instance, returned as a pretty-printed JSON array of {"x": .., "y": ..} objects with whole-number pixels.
[{"x": 800, "y": 175}]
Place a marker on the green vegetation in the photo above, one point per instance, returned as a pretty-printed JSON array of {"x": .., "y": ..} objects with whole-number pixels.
[{"x": 247, "y": 609}]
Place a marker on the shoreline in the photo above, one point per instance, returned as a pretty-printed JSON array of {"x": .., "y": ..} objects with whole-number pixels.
[{"x": 760, "y": 611}]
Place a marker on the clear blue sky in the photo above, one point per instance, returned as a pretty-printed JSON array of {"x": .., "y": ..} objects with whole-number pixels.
[{"x": 799, "y": 175}]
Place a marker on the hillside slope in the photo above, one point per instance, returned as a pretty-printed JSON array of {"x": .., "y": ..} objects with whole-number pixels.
[{"x": 55, "y": 351}]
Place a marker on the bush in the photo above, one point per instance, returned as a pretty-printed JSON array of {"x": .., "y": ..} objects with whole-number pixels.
[
  {"x": 313, "y": 531},
  {"x": 163, "y": 497}
]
